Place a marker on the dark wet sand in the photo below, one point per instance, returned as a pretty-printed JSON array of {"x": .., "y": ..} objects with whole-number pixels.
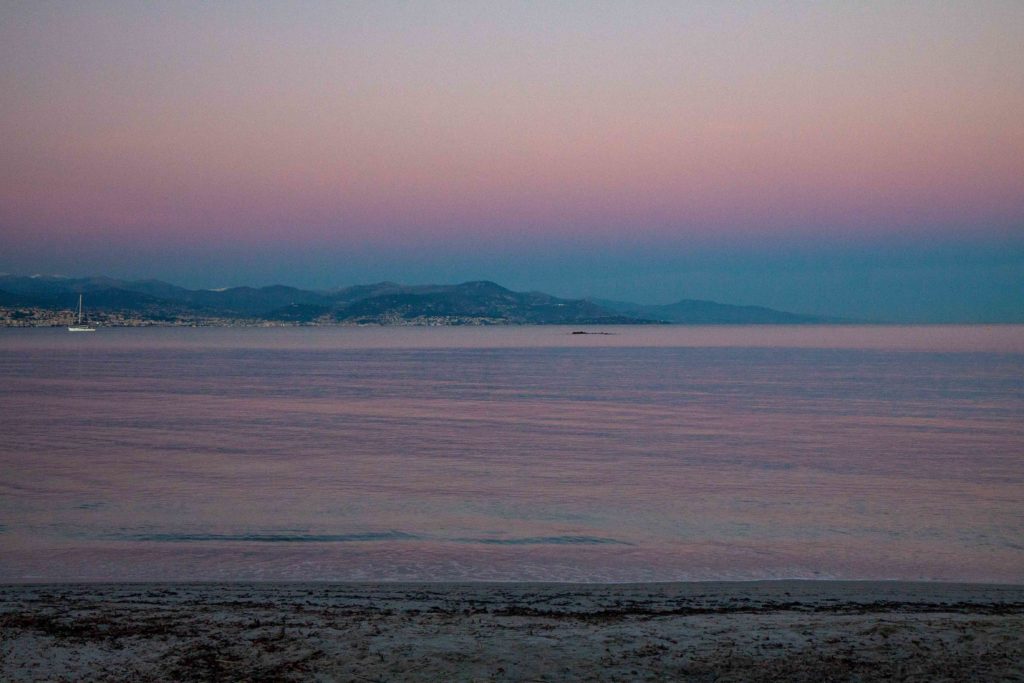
[{"x": 789, "y": 630}]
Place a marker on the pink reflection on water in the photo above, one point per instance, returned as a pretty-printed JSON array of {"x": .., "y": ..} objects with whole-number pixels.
[
  {"x": 229, "y": 453},
  {"x": 938, "y": 338}
]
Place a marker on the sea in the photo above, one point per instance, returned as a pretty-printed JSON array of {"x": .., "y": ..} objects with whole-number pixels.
[{"x": 627, "y": 454}]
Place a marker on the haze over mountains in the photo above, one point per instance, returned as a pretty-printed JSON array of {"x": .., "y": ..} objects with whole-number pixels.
[{"x": 479, "y": 302}]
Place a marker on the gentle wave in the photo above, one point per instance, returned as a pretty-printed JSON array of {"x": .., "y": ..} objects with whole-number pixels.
[{"x": 354, "y": 538}]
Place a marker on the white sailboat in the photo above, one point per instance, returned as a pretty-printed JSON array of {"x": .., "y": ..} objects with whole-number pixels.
[{"x": 80, "y": 326}]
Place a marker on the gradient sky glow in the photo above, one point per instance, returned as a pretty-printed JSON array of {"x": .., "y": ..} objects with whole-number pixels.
[{"x": 861, "y": 159}]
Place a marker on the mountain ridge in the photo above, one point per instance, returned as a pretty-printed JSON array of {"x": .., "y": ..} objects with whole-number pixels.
[
  {"x": 705, "y": 312},
  {"x": 382, "y": 303}
]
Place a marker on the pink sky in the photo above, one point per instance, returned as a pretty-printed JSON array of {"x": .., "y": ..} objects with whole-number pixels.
[
  {"x": 373, "y": 122},
  {"x": 143, "y": 137}
]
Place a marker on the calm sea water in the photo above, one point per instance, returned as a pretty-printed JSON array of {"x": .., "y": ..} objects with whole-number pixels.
[{"x": 654, "y": 453}]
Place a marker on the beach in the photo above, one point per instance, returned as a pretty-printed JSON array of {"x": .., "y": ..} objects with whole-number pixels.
[{"x": 792, "y": 630}]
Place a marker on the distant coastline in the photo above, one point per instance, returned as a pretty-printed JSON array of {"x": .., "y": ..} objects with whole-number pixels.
[{"x": 46, "y": 301}]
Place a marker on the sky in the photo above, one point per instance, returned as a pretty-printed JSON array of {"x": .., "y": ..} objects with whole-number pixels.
[{"x": 863, "y": 159}]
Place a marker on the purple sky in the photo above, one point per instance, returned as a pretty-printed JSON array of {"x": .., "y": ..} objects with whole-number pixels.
[{"x": 865, "y": 157}]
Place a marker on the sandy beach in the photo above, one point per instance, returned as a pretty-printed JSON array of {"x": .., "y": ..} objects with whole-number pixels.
[{"x": 791, "y": 630}]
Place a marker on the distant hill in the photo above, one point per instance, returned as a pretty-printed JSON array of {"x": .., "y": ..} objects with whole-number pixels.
[
  {"x": 484, "y": 300},
  {"x": 382, "y": 303},
  {"x": 700, "y": 312},
  {"x": 479, "y": 302}
]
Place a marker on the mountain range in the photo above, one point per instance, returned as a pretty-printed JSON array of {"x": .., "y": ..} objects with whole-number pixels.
[{"x": 479, "y": 302}]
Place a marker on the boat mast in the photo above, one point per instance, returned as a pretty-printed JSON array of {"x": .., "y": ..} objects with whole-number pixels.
[{"x": 79, "y": 309}]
